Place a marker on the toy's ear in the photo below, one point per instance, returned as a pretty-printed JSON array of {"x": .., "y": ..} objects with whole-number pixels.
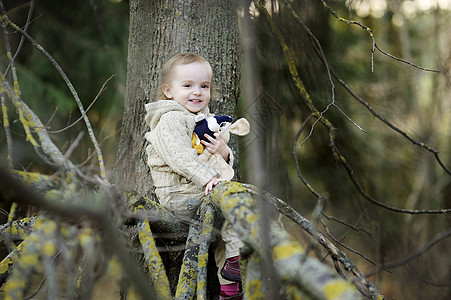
[
  {"x": 240, "y": 127},
  {"x": 199, "y": 117}
]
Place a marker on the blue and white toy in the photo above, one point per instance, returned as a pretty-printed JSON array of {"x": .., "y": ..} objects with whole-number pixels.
[
  {"x": 222, "y": 125},
  {"x": 210, "y": 125}
]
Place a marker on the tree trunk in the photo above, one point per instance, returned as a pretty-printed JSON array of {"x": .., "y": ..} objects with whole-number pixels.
[{"x": 159, "y": 30}]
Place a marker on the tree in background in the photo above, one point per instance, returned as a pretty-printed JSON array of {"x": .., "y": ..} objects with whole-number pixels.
[
  {"x": 381, "y": 122},
  {"x": 159, "y": 30}
]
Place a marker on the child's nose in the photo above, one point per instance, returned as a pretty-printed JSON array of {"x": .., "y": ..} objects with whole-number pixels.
[{"x": 196, "y": 91}]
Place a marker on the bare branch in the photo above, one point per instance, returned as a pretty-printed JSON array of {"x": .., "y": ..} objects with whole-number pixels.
[
  {"x": 317, "y": 47},
  {"x": 392, "y": 126},
  {"x": 375, "y": 46},
  {"x": 319, "y": 50},
  {"x": 71, "y": 88},
  {"x": 353, "y": 227},
  {"x": 22, "y": 39},
  {"x": 33, "y": 121},
  {"x": 102, "y": 89},
  {"x": 9, "y": 140},
  {"x": 394, "y": 264}
]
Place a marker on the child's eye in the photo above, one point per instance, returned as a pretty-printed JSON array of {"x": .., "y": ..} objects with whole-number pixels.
[
  {"x": 204, "y": 86},
  {"x": 187, "y": 85}
]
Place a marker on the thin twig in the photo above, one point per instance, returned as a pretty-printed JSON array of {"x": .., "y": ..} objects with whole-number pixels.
[
  {"x": 73, "y": 145},
  {"x": 41, "y": 284},
  {"x": 9, "y": 140},
  {"x": 316, "y": 217},
  {"x": 22, "y": 39},
  {"x": 319, "y": 50},
  {"x": 383, "y": 205},
  {"x": 296, "y": 161},
  {"x": 421, "y": 278},
  {"x": 81, "y": 164},
  {"x": 353, "y": 227},
  {"x": 374, "y": 46},
  {"x": 344, "y": 246},
  {"x": 438, "y": 238},
  {"x": 102, "y": 89},
  {"x": 392, "y": 126},
  {"x": 71, "y": 88},
  {"x": 51, "y": 117}
]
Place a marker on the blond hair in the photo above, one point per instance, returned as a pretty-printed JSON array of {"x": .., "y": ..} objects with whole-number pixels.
[{"x": 180, "y": 59}]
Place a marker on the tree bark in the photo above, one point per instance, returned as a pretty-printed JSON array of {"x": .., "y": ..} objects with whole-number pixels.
[{"x": 159, "y": 30}]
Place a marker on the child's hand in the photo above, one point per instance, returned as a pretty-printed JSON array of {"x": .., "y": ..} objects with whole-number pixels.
[
  {"x": 214, "y": 181},
  {"x": 216, "y": 145}
]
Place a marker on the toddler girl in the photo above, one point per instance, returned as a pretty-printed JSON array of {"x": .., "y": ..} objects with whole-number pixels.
[{"x": 180, "y": 178}]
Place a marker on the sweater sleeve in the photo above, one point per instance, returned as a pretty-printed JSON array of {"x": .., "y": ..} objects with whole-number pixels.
[{"x": 171, "y": 140}]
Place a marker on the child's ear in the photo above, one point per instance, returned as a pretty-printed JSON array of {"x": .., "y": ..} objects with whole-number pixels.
[{"x": 167, "y": 91}]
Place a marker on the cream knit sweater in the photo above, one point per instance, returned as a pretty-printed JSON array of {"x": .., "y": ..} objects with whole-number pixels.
[{"x": 172, "y": 160}]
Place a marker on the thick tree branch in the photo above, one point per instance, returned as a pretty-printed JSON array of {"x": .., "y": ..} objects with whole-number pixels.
[
  {"x": 13, "y": 191},
  {"x": 362, "y": 283},
  {"x": 238, "y": 207}
]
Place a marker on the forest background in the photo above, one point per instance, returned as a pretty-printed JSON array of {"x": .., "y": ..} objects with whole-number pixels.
[{"x": 89, "y": 40}]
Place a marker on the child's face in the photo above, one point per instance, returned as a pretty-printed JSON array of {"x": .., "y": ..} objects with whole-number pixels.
[{"x": 190, "y": 86}]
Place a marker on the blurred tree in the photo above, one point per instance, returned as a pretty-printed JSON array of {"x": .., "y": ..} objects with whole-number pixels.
[
  {"x": 390, "y": 168},
  {"x": 88, "y": 39}
]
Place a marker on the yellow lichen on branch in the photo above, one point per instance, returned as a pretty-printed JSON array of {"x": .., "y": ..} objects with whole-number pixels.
[
  {"x": 23, "y": 117},
  {"x": 31, "y": 122},
  {"x": 291, "y": 64},
  {"x": 37, "y": 245},
  {"x": 294, "y": 269},
  {"x": 154, "y": 263}
]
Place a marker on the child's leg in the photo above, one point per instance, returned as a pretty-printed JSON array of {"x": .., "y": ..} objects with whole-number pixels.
[
  {"x": 229, "y": 289},
  {"x": 220, "y": 260},
  {"x": 232, "y": 242},
  {"x": 230, "y": 292},
  {"x": 231, "y": 268},
  {"x": 180, "y": 200}
]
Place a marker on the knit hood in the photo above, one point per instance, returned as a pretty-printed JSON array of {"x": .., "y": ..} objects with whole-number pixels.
[{"x": 158, "y": 108}]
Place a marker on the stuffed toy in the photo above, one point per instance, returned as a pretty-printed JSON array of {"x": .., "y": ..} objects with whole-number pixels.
[
  {"x": 210, "y": 125},
  {"x": 222, "y": 125}
]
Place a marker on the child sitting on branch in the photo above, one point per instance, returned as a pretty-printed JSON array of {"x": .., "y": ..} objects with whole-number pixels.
[{"x": 180, "y": 176}]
